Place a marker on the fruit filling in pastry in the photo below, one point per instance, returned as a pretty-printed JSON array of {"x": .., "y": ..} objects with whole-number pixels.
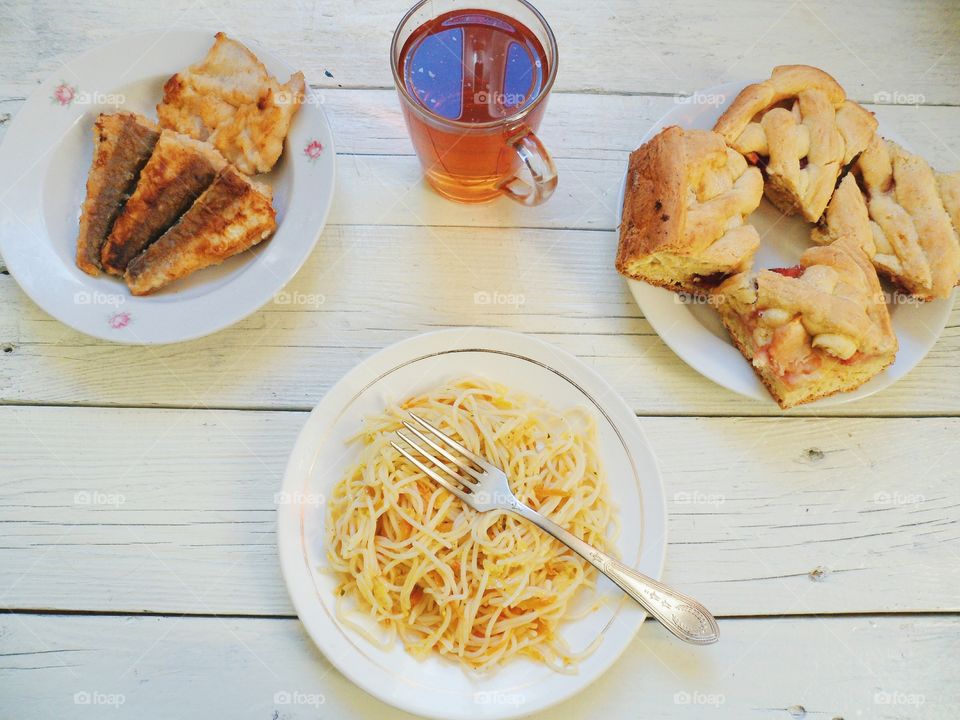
[
  {"x": 801, "y": 129},
  {"x": 684, "y": 212},
  {"x": 811, "y": 330}
]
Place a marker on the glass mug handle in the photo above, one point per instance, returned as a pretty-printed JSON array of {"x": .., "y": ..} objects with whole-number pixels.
[{"x": 540, "y": 166}]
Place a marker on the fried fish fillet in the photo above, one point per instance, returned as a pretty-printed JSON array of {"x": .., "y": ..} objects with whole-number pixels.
[
  {"x": 231, "y": 100},
  {"x": 232, "y": 215},
  {"x": 178, "y": 171},
  {"x": 123, "y": 143}
]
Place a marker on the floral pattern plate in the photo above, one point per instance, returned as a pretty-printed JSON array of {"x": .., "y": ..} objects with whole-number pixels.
[{"x": 46, "y": 154}]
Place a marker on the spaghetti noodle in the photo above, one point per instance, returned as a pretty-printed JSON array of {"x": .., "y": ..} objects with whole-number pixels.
[{"x": 476, "y": 587}]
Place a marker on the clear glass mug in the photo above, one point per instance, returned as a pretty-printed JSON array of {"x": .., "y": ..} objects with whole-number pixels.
[{"x": 478, "y": 137}]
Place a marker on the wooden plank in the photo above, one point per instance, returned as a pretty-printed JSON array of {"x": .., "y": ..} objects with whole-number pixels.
[
  {"x": 601, "y": 126},
  {"x": 366, "y": 287},
  {"x": 882, "y": 668},
  {"x": 674, "y": 48},
  {"x": 767, "y": 516},
  {"x": 576, "y": 125},
  {"x": 379, "y": 182}
]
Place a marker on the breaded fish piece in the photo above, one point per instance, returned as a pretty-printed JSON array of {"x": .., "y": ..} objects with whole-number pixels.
[
  {"x": 178, "y": 171},
  {"x": 231, "y": 100},
  {"x": 231, "y": 216},
  {"x": 123, "y": 143}
]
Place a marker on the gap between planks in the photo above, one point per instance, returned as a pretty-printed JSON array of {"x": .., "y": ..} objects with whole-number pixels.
[
  {"x": 61, "y": 612},
  {"x": 294, "y": 409}
]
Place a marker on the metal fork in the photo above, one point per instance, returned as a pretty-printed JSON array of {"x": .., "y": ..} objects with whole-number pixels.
[{"x": 484, "y": 487}]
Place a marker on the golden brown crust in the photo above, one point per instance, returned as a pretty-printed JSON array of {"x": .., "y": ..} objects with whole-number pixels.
[
  {"x": 786, "y": 81},
  {"x": 685, "y": 202},
  {"x": 178, "y": 171},
  {"x": 231, "y": 100},
  {"x": 914, "y": 238},
  {"x": 231, "y": 216},
  {"x": 801, "y": 129},
  {"x": 857, "y": 125},
  {"x": 123, "y": 143},
  {"x": 814, "y": 330},
  {"x": 846, "y": 216},
  {"x": 653, "y": 207},
  {"x": 949, "y": 186}
]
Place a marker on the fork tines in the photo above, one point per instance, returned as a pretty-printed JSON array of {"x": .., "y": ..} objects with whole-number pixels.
[{"x": 463, "y": 481}]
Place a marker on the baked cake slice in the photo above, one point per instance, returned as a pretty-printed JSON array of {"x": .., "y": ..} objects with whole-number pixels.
[
  {"x": 812, "y": 330},
  {"x": 231, "y": 216},
  {"x": 178, "y": 171},
  {"x": 801, "y": 129},
  {"x": 122, "y": 144},
  {"x": 684, "y": 212},
  {"x": 916, "y": 244}
]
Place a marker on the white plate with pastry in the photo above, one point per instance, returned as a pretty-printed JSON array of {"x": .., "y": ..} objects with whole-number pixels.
[
  {"x": 388, "y": 586},
  {"x": 164, "y": 186},
  {"x": 745, "y": 234}
]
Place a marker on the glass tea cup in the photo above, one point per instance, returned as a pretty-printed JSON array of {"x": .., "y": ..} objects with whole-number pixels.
[{"x": 473, "y": 78}]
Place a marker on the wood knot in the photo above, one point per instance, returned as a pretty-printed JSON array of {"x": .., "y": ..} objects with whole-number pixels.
[
  {"x": 8, "y": 348},
  {"x": 4, "y": 118},
  {"x": 818, "y": 573},
  {"x": 797, "y": 711},
  {"x": 814, "y": 454}
]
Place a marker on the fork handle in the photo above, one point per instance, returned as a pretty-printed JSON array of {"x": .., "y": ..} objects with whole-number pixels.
[{"x": 680, "y": 614}]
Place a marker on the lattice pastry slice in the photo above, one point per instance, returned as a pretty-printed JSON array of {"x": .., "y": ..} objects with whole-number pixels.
[
  {"x": 816, "y": 329},
  {"x": 914, "y": 242},
  {"x": 684, "y": 211},
  {"x": 800, "y": 128}
]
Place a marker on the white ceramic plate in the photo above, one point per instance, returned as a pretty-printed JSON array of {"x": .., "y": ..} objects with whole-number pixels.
[
  {"x": 435, "y": 687},
  {"x": 45, "y": 157},
  {"x": 694, "y": 331}
]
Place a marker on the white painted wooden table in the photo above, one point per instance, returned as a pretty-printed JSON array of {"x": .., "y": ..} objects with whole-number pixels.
[{"x": 137, "y": 554}]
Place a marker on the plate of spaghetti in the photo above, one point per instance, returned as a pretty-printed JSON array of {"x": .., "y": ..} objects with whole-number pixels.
[{"x": 429, "y": 605}]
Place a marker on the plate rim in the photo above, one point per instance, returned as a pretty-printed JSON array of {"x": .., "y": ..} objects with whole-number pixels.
[
  {"x": 233, "y": 309},
  {"x": 728, "y": 91},
  {"x": 652, "y": 496}
]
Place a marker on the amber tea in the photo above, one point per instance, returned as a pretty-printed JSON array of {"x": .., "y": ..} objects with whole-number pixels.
[{"x": 473, "y": 83}]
